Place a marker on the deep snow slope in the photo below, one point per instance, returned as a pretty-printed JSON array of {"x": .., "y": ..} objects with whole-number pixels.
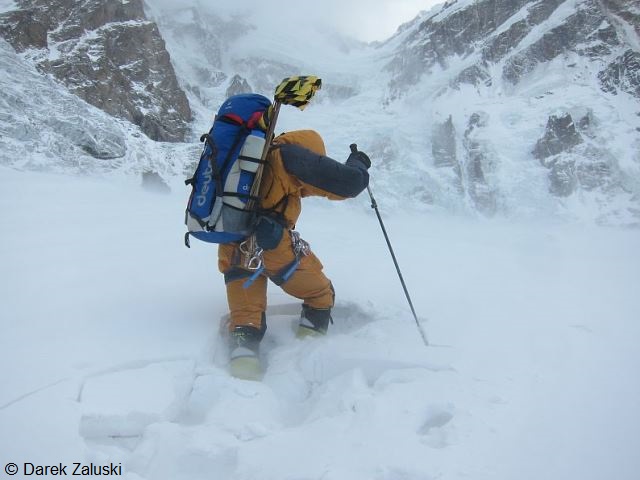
[{"x": 109, "y": 350}]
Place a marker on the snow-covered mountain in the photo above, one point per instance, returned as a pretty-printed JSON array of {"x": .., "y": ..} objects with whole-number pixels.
[
  {"x": 527, "y": 98},
  {"x": 504, "y": 107},
  {"x": 45, "y": 127},
  {"x": 107, "y": 53},
  {"x": 109, "y": 351}
]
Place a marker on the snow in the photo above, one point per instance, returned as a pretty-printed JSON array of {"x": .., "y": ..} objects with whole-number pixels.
[
  {"x": 560, "y": 14},
  {"x": 110, "y": 350},
  {"x": 449, "y": 8},
  {"x": 7, "y": 5},
  {"x": 45, "y": 126}
]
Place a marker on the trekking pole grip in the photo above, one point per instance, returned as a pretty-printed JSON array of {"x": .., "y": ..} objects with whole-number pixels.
[{"x": 374, "y": 205}]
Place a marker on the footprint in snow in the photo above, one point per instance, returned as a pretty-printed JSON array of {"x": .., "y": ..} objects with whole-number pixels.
[{"x": 434, "y": 431}]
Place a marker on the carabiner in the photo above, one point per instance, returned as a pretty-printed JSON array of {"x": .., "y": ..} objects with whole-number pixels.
[{"x": 252, "y": 254}]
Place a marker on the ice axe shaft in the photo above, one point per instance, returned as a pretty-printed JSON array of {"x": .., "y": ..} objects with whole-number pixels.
[
  {"x": 374, "y": 205},
  {"x": 296, "y": 91}
]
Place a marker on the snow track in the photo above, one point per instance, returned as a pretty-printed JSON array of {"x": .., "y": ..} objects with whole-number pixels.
[
  {"x": 110, "y": 350},
  {"x": 165, "y": 414}
]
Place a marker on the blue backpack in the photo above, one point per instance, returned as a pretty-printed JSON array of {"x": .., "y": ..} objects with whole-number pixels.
[{"x": 221, "y": 185}]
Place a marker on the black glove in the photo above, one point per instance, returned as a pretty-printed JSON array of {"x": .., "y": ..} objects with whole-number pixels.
[{"x": 361, "y": 157}]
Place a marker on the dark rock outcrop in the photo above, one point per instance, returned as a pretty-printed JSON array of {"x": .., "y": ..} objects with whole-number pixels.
[
  {"x": 477, "y": 161},
  {"x": 238, "y": 85},
  {"x": 574, "y": 158},
  {"x": 443, "y": 144},
  {"x": 562, "y": 176},
  {"x": 443, "y": 150},
  {"x": 44, "y": 127},
  {"x": 623, "y": 74},
  {"x": 107, "y": 53},
  {"x": 560, "y": 136}
]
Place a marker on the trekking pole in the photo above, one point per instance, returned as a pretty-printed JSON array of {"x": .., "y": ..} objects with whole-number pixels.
[{"x": 374, "y": 205}]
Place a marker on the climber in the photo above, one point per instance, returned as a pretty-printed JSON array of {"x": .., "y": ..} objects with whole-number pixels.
[{"x": 296, "y": 167}]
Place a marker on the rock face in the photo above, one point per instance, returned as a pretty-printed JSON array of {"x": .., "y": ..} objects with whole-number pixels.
[
  {"x": 573, "y": 159},
  {"x": 505, "y": 32},
  {"x": 238, "y": 85},
  {"x": 587, "y": 32},
  {"x": 623, "y": 74},
  {"x": 465, "y": 168},
  {"x": 42, "y": 126},
  {"x": 456, "y": 33},
  {"x": 478, "y": 161},
  {"x": 560, "y": 136},
  {"x": 187, "y": 30},
  {"x": 550, "y": 72},
  {"x": 443, "y": 147},
  {"x": 107, "y": 53}
]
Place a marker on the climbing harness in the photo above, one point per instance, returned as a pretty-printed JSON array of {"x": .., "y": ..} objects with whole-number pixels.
[{"x": 254, "y": 262}]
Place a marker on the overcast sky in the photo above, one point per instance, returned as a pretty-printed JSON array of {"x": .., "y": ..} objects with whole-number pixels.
[
  {"x": 366, "y": 20},
  {"x": 370, "y": 20}
]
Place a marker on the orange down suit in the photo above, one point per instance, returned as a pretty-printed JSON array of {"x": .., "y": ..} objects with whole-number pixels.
[{"x": 297, "y": 167}]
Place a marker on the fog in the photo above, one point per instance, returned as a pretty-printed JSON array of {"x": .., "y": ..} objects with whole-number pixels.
[{"x": 365, "y": 20}]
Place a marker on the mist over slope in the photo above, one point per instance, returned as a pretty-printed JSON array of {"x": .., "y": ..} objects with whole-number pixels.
[
  {"x": 521, "y": 109},
  {"x": 529, "y": 103}
]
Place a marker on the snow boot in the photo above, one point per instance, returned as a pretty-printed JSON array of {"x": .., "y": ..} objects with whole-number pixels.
[
  {"x": 314, "y": 322},
  {"x": 244, "y": 350}
]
